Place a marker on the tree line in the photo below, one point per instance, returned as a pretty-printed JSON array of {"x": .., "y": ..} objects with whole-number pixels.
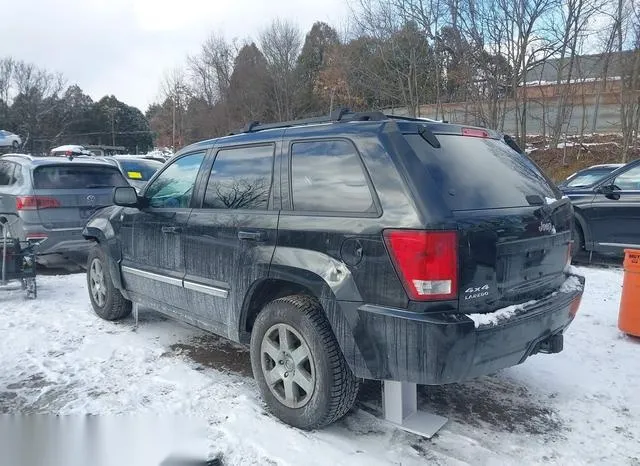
[
  {"x": 46, "y": 112},
  {"x": 404, "y": 54},
  {"x": 399, "y": 55}
]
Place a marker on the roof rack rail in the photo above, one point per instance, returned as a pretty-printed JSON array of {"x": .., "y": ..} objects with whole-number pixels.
[
  {"x": 407, "y": 118},
  {"x": 338, "y": 115}
]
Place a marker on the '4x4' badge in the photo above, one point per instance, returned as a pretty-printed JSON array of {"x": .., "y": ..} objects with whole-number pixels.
[{"x": 475, "y": 292}]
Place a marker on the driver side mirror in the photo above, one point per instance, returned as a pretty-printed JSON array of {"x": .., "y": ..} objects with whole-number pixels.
[
  {"x": 609, "y": 191},
  {"x": 125, "y": 196}
]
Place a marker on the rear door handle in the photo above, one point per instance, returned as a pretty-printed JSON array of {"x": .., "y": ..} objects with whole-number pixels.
[
  {"x": 252, "y": 235},
  {"x": 171, "y": 230}
]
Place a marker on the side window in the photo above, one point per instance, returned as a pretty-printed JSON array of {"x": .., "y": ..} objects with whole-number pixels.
[
  {"x": 240, "y": 179},
  {"x": 9, "y": 173},
  {"x": 174, "y": 186},
  {"x": 327, "y": 176},
  {"x": 629, "y": 180}
]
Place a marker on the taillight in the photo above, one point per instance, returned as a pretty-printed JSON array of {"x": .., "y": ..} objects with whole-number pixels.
[
  {"x": 575, "y": 305},
  {"x": 36, "y": 202},
  {"x": 36, "y": 236},
  {"x": 427, "y": 262},
  {"x": 475, "y": 133},
  {"x": 569, "y": 258}
]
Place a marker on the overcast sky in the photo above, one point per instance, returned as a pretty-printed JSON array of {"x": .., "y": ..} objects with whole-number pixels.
[{"x": 123, "y": 47}]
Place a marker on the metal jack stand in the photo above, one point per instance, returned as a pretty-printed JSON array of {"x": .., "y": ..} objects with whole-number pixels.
[
  {"x": 400, "y": 404},
  {"x": 135, "y": 316}
]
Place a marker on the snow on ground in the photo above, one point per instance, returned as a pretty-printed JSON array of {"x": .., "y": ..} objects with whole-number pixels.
[{"x": 580, "y": 406}]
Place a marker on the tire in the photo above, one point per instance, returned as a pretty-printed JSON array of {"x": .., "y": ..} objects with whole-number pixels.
[
  {"x": 332, "y": 386},
  {"x": 107, "y": 301}
]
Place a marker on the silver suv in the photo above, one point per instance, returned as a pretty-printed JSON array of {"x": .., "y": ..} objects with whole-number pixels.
[{"x": 53, "y": 198}]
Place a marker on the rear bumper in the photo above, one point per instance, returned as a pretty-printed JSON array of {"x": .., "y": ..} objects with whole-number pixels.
[
  {"x": 57, "y": 241},
  {"x": 435, "y": 349}
]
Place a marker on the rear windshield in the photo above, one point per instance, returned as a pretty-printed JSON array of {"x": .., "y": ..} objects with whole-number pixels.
[
  {"x": 77, "y": 177},
  {"x": 480, "y": 173},
  {"x": 139, "y": 170}
]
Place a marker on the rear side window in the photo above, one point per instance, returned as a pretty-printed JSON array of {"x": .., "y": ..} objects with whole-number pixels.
[
  {"x": 328, "y": 176},
  {"x": 77, "y": 177},
  {"x": 140, "y": 170},
  {"x": 10, "y": 173},
  {"x": 480, "y": 173},
  {"x": 240, "y": 179}
]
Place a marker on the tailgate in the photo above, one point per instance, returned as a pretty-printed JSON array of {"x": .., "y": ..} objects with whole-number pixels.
[
  {"x": 509, "y": 256},
  {"x": 68, "y": 195}
]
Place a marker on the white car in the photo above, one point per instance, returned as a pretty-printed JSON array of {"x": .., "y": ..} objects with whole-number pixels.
[
  {"x": 8, "y": 139},
  {"x": 69, "y": 149}
]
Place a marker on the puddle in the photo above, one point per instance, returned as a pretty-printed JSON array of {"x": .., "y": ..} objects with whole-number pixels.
[
  {"x": 218, "y": 353},
  {"x": 504, "y": 405}
]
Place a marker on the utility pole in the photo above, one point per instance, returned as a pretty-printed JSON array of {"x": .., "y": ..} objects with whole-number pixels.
[
  {"x": 113, "y": 131},
  {"x": 173, "y": 131}
]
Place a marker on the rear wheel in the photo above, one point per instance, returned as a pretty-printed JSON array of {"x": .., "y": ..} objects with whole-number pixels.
[
  {"x": 299, "y": 367},
  {"x": 106, "y": 299}
]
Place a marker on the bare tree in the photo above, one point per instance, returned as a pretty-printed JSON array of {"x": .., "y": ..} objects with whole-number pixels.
[
  {"x": 211, "y": 69},
  {"x": 34, "y": 95},
  {"x": 627, "y": 31},
  {"x": 176, "y": 90},
  {"x": 572, "y": 29},
  {"x": 6, "y": 78},
  {"x": 404, "y": 67},
  {"x": 280, "y": 44}
]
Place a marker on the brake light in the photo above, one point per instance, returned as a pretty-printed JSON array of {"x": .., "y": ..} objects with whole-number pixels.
[
  {"x": 575, "y": 305},
  {"x": 475, "y": 133},
  {"x": 426, "y": 261},
  {"x": 36, "y": 202},
  {"x": 36, "y": 236},
  {"x": 568, "y": 259}
]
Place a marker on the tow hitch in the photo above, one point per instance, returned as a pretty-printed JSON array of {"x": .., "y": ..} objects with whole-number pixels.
[{"x": 551, "y": 345}]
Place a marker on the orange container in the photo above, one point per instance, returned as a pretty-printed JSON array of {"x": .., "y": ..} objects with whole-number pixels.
[{"x": 629, "y": 317}]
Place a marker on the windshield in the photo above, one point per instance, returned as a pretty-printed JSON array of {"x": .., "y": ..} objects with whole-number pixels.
[
  {"x": 588, "y": 178},
  {"x": 139, "y": 170},
  {"x": 480, "y": 173},
  {"x": 77, "y": 177}
]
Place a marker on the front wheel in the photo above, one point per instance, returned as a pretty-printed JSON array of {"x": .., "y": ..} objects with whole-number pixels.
[
  {"x": 106, "y": 300},
  {"x": 299, "y": 367}
]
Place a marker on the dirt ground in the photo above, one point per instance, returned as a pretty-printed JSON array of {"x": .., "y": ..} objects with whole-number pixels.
[{"x": 576, "y": 153}]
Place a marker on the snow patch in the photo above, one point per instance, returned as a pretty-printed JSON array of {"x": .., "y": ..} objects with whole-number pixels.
[
  {"x": 493, "y": 318},
  {"x": 571, "y": 285},
  {"x": 57, "y": 357}
]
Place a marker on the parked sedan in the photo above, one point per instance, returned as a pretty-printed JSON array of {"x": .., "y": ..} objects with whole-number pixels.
[
  {"x": 137, "y": 170},
  {"x": 11, "y": 140},
  {"x": 589, "y": 176},
  {"x": 607, "y": 213}
]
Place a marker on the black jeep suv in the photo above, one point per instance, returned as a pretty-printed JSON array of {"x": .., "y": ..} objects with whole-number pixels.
[{"x": 356, "y": 246}]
